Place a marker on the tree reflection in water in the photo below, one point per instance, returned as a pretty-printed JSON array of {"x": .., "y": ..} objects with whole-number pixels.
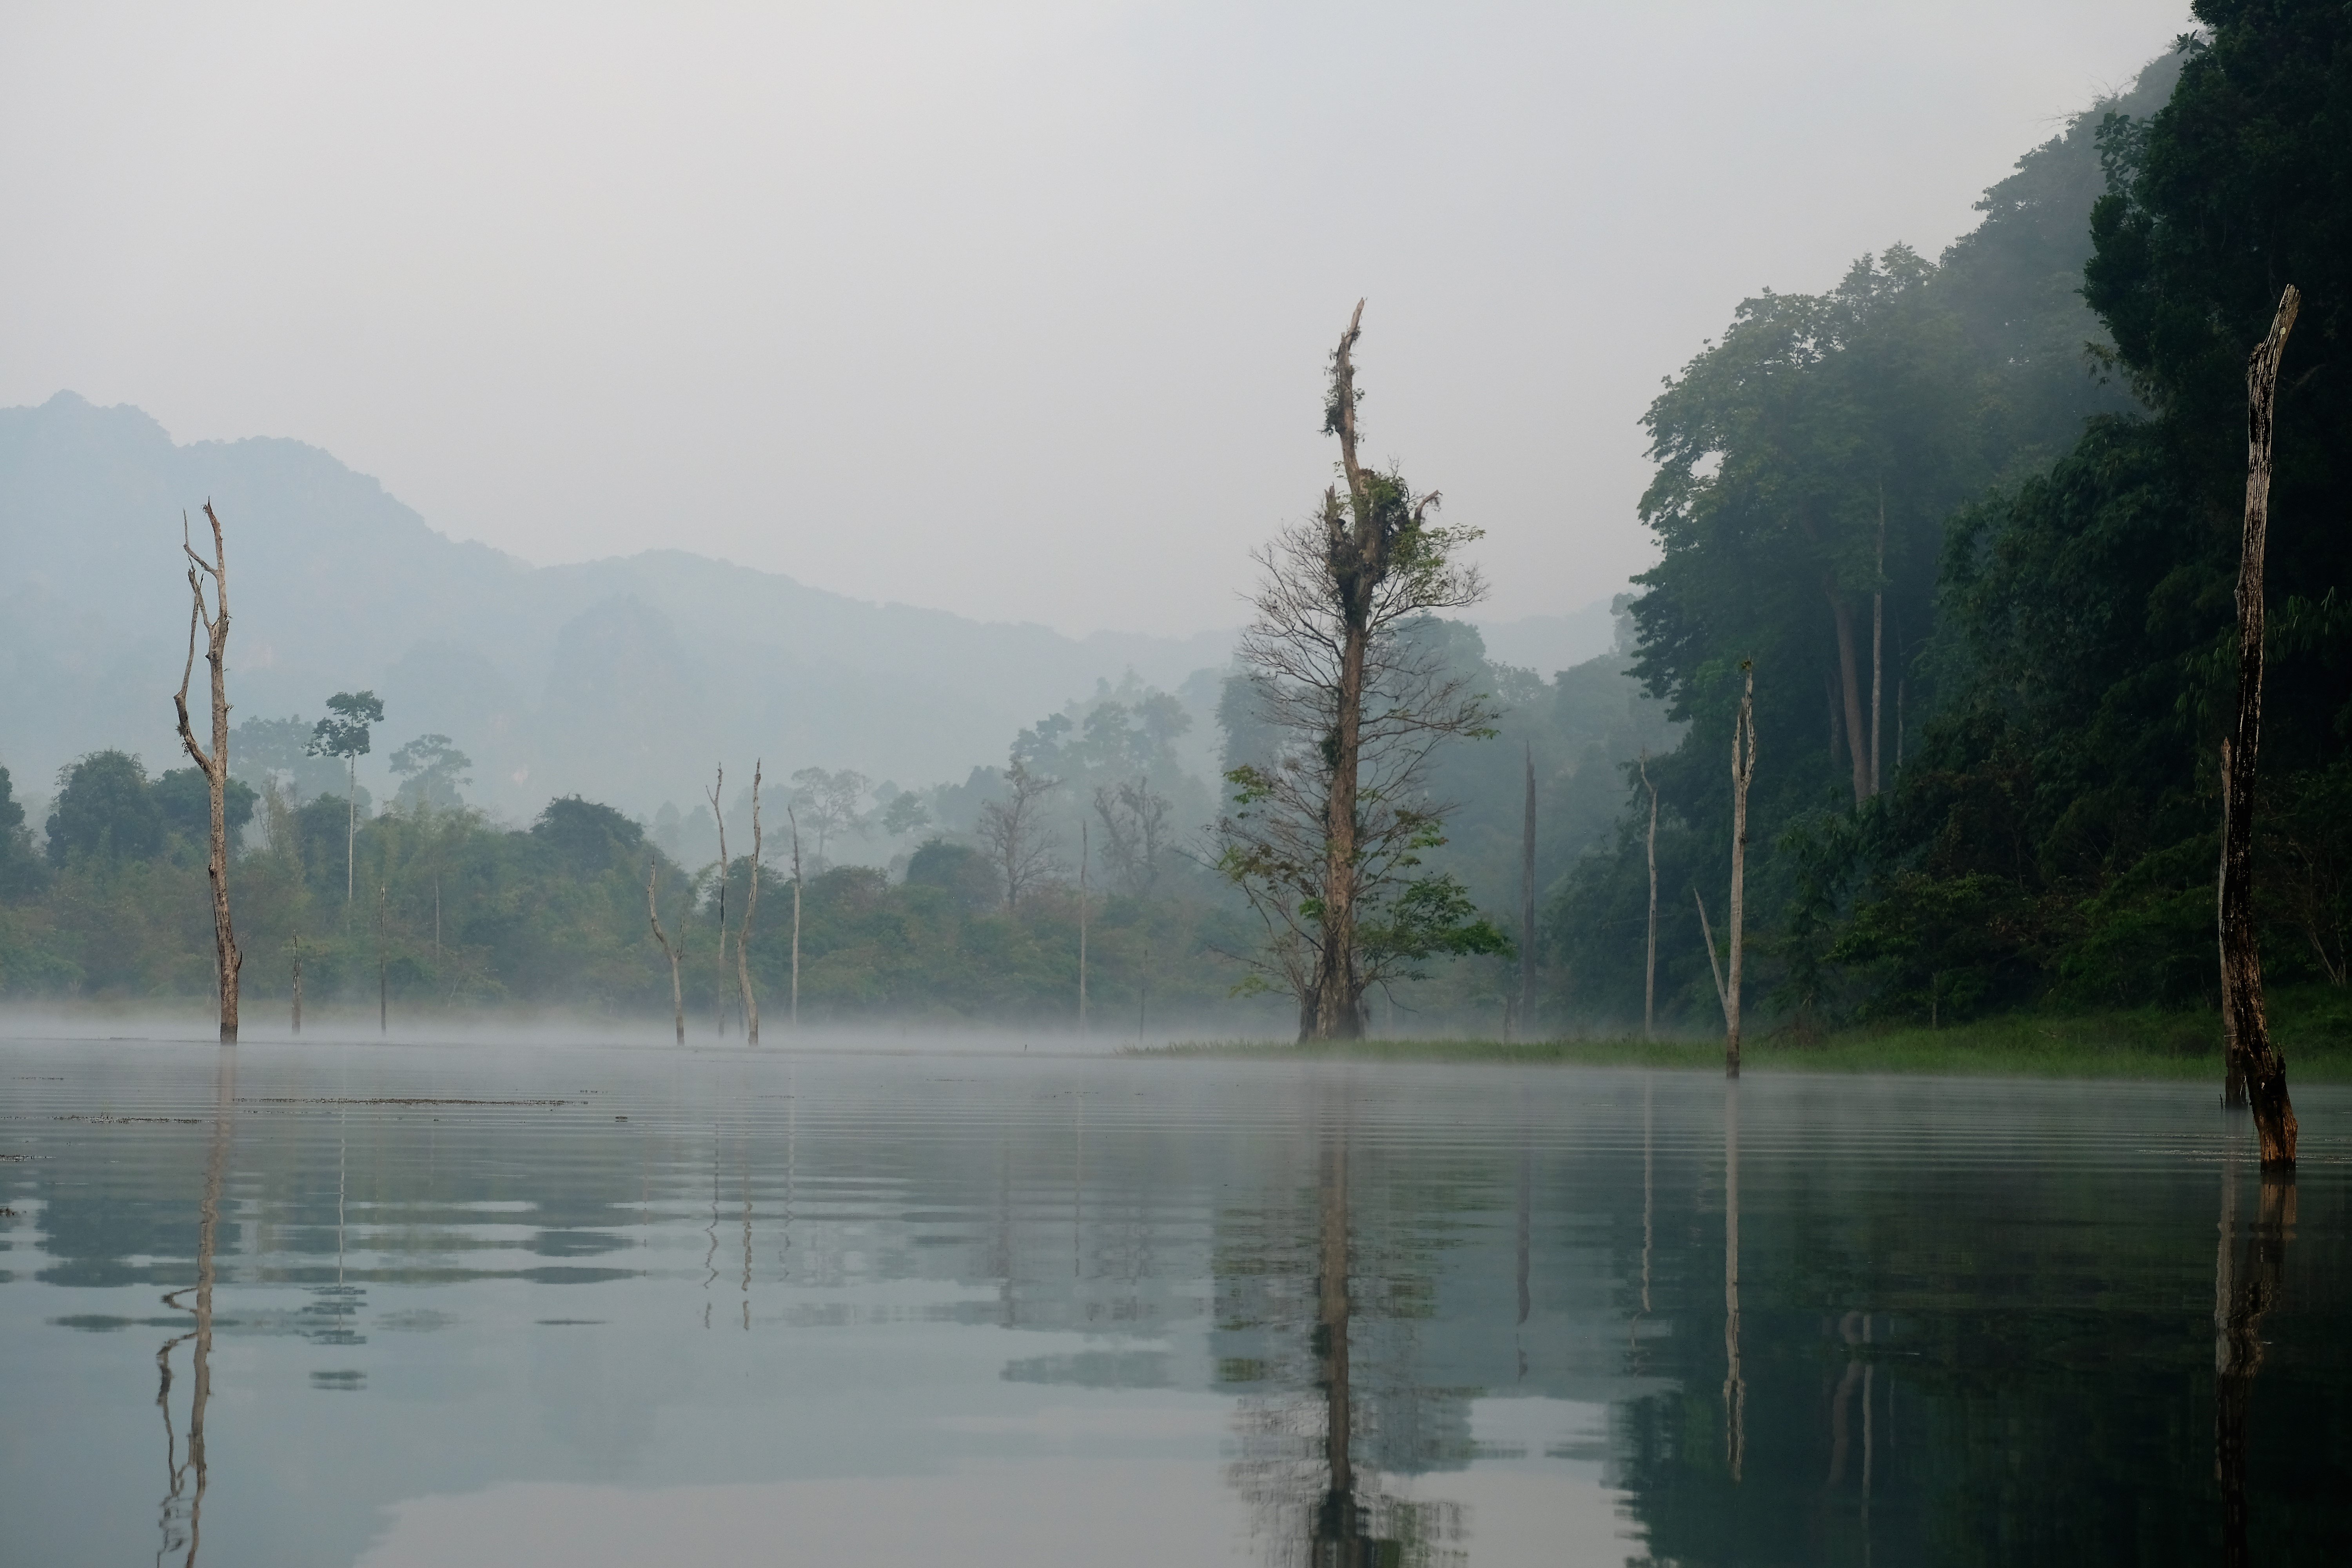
[
  {"x": 1315, "y": 1508},
  {"x": 184, "y": 1501},
  {"x": 2246, "y": 1280},
  {"x": 1735, "y": 1386}
]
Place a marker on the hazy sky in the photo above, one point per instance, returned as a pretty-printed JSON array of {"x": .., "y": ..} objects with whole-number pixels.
[{"x": 1019, "y": 311}]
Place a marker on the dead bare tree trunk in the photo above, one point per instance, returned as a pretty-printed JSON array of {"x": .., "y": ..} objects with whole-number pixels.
[
  {"x": 1527, "y": 899},
  {"x": 1650, "y": 949},
  {"x": 2258, "y": 1062},
  {"x": 382, "y": 971},
  {"x": 1085, "y": 850},
  {"x": 716, "y": 790},
  {"x": 1743, "y": 773},
  {"x": 677, "y": 955},
  {"x": 793, "y": 1014},
  {"x": 1878, "y": 644},
  {"x": 298, "y": 985},
  {"x": 213, "y": 765},
  {"x": 743, "y": 927}
]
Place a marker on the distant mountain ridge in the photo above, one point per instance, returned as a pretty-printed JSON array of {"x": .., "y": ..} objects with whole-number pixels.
[{"x": 626, "y": 679}]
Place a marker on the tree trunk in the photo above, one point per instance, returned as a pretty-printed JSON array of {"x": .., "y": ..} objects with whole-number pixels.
[
  {"x": 1849, "y": 691},
  {"x": 298, "y": 987},
  {"x": 351, "y": 837},
  {"x": 1527, "y": 899},
  {"x": 676, "y": 986},
  {"x": 792, "y": 1008},
  {"x": 1878, "y": 644},
  {"x": 382, "y": 975},
  {"x": 229, "y": 959},
  {"x": 743, "y": 927},
  {"x": 1084, "y": 849},
  {"x": 1743, "y": 773},
  {"x": 717, "y": 790},
  {"x": 1339, "y": 1011},
  {"x": 1650, "y": 946},
  {"x": 2250, "y": 1046},
  {"x": 1354, "y": 550}
]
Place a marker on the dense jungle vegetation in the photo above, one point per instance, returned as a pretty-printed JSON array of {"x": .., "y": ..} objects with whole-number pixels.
[
  {"x": 2060, "y": 522},
  {"x": 1974, "y": 519}
]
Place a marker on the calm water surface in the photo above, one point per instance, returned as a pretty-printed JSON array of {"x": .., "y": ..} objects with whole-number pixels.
[{"x": 389, "y": 1305}]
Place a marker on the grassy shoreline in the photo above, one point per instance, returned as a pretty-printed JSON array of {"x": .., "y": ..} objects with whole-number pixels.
[{"x": 2313, "y": 1028}]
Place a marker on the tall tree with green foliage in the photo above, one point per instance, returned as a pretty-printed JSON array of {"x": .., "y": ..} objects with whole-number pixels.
[
  {"x": 344, "y": 734},
  {"x": 1325, "y": 838}
]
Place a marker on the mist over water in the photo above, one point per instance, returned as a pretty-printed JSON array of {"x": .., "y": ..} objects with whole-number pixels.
[{"x": 549, "y": 1301}]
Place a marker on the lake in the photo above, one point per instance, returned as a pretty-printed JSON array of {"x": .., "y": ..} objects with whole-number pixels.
[{"x": 395, "y": 1305}]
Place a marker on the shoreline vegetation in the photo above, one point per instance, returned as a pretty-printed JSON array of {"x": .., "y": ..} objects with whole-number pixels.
[{"x": 2312, "y": 1026}]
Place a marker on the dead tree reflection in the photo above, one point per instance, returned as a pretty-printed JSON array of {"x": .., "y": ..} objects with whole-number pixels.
[
  {"x": 184, "y": 1501},
  {"x": 2248, "y": 1273},
  {"x": 1314, "y": 1507},
  {"x": 1735, "y": 1386}
]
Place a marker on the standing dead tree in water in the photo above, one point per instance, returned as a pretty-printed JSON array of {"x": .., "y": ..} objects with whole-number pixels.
[
  {"x": 1743, "y": 773},
  {"x": 743, "y": 927},
  {"x": 2254, "y": 1059},
  {"x": 213, "y": 620},
  {"x": 1325, "y": 838},
  {"x": 1650, "y": 948},
  {"x": 1013, "y": 838},
  {"x": 675, "y": 953},
  {"x": 718, "y": 785},
  {"x": 793, "y": 1016},
  {"x": 1527, "y": 899}
]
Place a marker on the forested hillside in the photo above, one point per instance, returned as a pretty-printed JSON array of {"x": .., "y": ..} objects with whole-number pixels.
[{"x": 1975, "y": 522}]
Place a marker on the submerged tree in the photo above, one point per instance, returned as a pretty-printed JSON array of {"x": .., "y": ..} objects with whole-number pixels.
[
  {"x": 675, "y": 953},
  {"x": 344, "y": 734},
  {"x": 743, "y": 928},
  {"x": 1743, "y": 774},
  {"x": 2253, "y": 1061},
  {"x": 1326, "y": 837},
  {"x": 213, "y": 765}
]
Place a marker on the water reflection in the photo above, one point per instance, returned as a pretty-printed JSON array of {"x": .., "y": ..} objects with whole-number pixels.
[
  {"x": 183, "y": 1508},
  {"x": 2248, "y": 1275},
  {"x": 1318, "y": 1506},
  {"x": 1001, "y": 1313}
]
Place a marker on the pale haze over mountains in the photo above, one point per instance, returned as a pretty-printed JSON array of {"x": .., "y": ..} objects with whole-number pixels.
[{"x": 623, "y": 680}]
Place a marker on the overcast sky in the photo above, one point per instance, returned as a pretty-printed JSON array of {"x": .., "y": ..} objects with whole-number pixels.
[{"x": 1019, "y": 311}]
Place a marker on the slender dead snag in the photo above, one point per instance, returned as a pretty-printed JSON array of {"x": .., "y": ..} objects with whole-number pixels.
[
  {"x": 1743, "y": 773},
  {"x": 714, "y": 793},
  {"x": 2255, "y": 1059},
  {"x": 213, "y": 765},
  {"x": 743, "y": 926},
  {"x": 1527, "y": 897},
  {"x": 1878, "y": 643},
  {"x": 675, "y": 954},
  {"x": 383, "y": 973},
  {"x": 298, "y": 983},
  {"x": 1650, "y": 949},
  {"x": 793, "y": 1016},
  {"x": 1085, "y": 850}
]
